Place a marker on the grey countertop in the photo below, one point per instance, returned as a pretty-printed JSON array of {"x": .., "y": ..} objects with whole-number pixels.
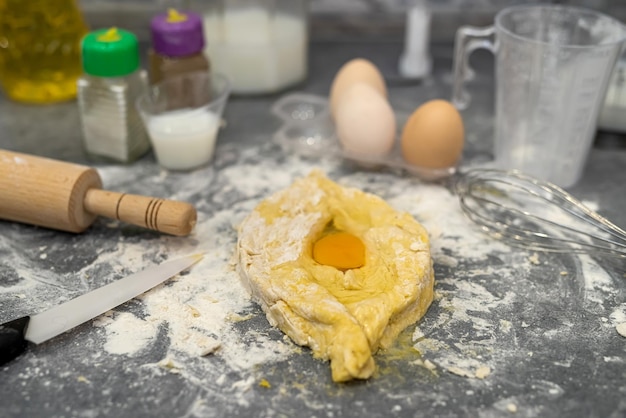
[{"x": 510, "y": 333}]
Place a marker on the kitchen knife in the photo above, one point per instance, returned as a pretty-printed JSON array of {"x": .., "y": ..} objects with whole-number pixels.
[{"x": 15, "y": 334}]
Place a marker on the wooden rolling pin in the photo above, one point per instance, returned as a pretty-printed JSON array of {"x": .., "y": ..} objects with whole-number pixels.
[{"x": 69, "y": 197}]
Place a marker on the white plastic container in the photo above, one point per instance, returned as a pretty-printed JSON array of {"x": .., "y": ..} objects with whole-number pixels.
[{"x": 262, "y": 46}]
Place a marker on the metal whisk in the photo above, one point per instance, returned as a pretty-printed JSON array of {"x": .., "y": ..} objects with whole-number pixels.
[{"x": 536, "y": 215}]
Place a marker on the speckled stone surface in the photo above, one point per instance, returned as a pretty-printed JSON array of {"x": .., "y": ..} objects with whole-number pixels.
[{"x": 511, "y": 333}]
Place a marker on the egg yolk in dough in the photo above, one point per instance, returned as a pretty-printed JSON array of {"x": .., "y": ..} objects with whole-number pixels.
[{"x": 340, "y": 250}]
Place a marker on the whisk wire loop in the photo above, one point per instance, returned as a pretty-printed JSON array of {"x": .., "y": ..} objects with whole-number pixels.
[{"x": 535, "y": 214}]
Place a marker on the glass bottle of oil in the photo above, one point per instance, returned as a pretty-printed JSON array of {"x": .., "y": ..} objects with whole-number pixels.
[{"x": 40, "y": 49}]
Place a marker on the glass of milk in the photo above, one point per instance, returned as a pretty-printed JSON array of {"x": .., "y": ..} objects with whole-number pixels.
[
  {"x": 182, "y": 116},
  {"x": 262, "y": 45}
]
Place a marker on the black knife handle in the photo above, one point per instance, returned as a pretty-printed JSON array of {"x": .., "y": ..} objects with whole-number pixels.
[{"x": 12, "y": 341}]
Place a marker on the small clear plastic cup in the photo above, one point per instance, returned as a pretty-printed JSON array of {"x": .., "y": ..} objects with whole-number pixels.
[{"x": 182, "y": 116}]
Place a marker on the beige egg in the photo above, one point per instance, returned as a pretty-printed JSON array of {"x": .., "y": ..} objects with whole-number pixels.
[
  {"x": 433, "y": 136},
  {"x": 358, "y": 70},
  {"x": 365, "y": 122}
]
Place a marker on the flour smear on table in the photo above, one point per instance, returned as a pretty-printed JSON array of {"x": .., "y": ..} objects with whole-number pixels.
[{"x": 478, "y": 282}]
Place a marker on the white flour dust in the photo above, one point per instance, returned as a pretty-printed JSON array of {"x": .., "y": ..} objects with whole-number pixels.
[
  {"x": 617, "y": 318},
  {"x": 127, "y": 334},
  {"x": 197, "y": 309},
  {"x": 482, "y": 279},
  {"x": 469, "y": 330}
]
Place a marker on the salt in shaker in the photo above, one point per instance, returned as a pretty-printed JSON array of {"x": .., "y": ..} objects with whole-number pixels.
[{"x": 107, "y": 91}]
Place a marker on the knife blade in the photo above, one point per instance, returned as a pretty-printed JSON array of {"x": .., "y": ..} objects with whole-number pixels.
[{"x": 16, "y": 334}]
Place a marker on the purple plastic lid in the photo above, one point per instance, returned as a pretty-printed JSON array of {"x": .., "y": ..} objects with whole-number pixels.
[{"x": 177, "y": 34}]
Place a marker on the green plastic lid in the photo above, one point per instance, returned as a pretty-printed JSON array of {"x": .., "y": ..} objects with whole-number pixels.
[{"x": 110, "y": 53}]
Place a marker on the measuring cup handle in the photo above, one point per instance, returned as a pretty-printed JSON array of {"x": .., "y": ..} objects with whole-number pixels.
[{"x": 468, "y": 39}]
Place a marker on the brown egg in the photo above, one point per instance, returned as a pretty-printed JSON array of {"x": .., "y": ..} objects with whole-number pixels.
[
  {"x": 358, "y": 70},
  {"x": 433, "y": 135}
]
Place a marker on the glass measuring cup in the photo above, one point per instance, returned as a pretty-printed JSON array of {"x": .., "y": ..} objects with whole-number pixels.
[{"x": 553, "y": 65}]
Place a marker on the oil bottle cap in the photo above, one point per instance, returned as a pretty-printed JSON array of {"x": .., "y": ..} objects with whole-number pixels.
[
  {"x": 110, "y": 53},
  {"x": 177, "y": 34}
]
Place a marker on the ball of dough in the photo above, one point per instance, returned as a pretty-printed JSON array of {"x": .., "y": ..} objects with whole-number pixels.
[{"x": 344, "y": 316}]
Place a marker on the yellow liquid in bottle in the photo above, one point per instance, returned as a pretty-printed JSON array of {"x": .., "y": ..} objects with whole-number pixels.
[{"x": 40, "y": 49}]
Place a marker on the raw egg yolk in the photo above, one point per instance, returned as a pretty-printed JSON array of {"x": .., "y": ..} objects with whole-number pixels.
[{"x": 340, "y": 250}]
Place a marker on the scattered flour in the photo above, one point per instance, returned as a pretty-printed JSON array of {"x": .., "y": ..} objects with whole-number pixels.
[
  {"x": 198, "y": 308},
  {"x": 126, "y": 334},
  {"x": 512, "y": 408},
  {"x": 487, "y": 295},
  {"x": 618, "y": 319}
]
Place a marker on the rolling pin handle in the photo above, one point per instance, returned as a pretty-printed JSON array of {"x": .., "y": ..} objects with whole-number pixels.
[{"x": 168, "y": 216}]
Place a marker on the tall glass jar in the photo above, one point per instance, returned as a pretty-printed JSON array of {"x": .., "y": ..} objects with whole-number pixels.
[{"x": 261, "y": 45}]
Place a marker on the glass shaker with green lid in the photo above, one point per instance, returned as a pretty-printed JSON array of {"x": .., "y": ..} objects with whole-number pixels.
[{"x": 107, "y": 91}]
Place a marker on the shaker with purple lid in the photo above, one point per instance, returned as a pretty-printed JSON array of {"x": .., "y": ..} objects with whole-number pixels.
[{"x": 177, "y": 45}]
